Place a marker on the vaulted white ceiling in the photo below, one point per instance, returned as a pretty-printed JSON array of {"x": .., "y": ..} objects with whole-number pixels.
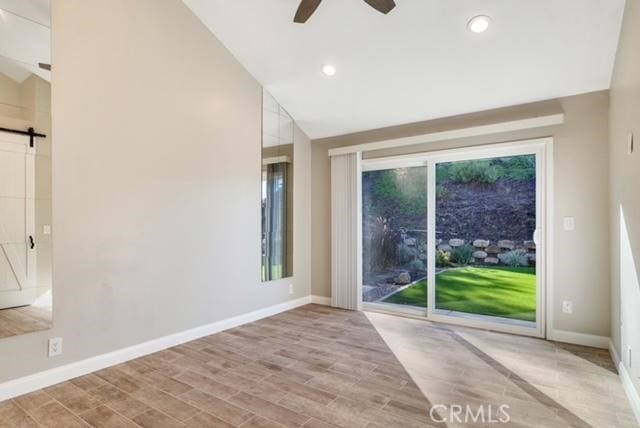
[
  {"x": 25, "y": 38},
  {"x": 420, "y": 61}
]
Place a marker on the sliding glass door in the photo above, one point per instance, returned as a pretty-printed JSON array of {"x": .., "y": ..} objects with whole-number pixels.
[
  {"x": 394, "y": 236},
  {"x": 457, "y": 235},
  {"x": 485, "y": 250}
]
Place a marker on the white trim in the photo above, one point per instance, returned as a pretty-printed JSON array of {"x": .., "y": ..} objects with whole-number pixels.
[
  {"x": 474, "y": 131},
  {"x": 276, "y": 159},
  {"x": 550, "y": 240},
  {"x": 56, "y": 375},
  {"x": 630, "y": 390},
  {"x": 399, "y": 310},
  {"x": 575, "y": 338},
  {"x": 359, "y": 272},
  {"x": 459, "y": 153},
  {"x": 321, "y": 300},
  {"x": 431, "y": 237},
  {"x": 632, "y": 393},
  {"x": 614, "y": 353}
]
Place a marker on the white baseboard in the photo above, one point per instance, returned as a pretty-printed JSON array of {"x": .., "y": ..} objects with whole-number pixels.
[
  {"x": 614, "y": 353},
  {"x": 321, "y": 300},
  {"x": 578, "y": 338},
  {"x": 30, "y": 383},
  {"x": 632, "y": 393}
]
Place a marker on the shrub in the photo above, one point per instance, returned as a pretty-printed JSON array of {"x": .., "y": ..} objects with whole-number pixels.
[
  {"x": 441, "y": 191},
  {"x": 462, "y": 255},
  {"x": 475, "y": 171},
  {"x": 380, "y": 244},
  {"x": 395, "y": 192},
  {"x": 417, "y": 265},
  {"x": 443, "y": 258},
  {"x": 520, "y": 167},
  {"x": 405, "y": 254},
  {"x": 515, "y": 258}
]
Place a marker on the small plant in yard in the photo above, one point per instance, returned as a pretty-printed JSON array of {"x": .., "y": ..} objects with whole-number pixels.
[
  {"x": 405, "y": 254},
  {"x": 519, "y": 167},
  {"x": 443, "y": 259},
  {"x": 417, "y": 265},
  {"x": 474, "y": 171},
  {"x": 515, "y": 258},
  {"x": 441, "y": 191},
  {"x": 462, "y": 255}
]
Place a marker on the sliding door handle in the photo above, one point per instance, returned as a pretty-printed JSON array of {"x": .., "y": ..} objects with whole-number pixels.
[
  {"x": 32, "y": 244},
  {"x": 536, "y": 237}
]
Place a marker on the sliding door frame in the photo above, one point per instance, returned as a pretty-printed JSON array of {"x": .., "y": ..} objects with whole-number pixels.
[{"x": 543, "y": 149}]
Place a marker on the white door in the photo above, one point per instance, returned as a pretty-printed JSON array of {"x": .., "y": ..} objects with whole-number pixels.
[{"x": 17, "y": 221}]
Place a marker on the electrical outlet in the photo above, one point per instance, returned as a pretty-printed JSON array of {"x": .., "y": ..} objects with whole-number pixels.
[
  {"x": 569, "y": 223},
  {"x": 290, "y": 288},
  {"x": 46, "y": 229},
  {"x": 55, "y": 346},
  {"x": 567, "y": 306}
]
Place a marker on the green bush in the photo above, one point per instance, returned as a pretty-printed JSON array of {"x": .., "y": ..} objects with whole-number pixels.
[
  {"x": 443, "y": 259},
  {"x": 395, "y": 192},
  {"x": 474, "y": 171},
  {"x": 404, "y": 254},
  {"x": 417, "y": 265},
  {"x": 520, "y": 167},
  {"x": 515, "y": 258},
  {"x": 462, "y": 255},
  {"x": 488, "y": 171}
]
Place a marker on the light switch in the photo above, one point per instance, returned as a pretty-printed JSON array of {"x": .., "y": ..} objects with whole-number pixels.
[
  {"x": 569, "y": 223},
  {"x": 46, "y": 229}
]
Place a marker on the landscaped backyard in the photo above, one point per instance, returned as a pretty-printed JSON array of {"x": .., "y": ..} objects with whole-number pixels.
[
  {"x": 507, "y": 292},
  {"x": 485, "y": 218}
]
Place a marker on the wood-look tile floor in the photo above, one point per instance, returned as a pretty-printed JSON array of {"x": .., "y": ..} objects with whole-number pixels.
[
  {"x": 25, "y": 319},
  {"x": 321, "y": 367},
  {"x": 545, "y": 384}
]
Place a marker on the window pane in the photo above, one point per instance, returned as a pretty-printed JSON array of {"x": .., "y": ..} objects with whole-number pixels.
[
  {"x": 394, "y": 233},
  {"x": 485, "y": 222}
]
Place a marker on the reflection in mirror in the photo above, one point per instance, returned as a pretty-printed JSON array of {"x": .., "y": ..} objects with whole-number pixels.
[
  {"x": 25, "y": 167},
  {"x": 277, "y": 190}
]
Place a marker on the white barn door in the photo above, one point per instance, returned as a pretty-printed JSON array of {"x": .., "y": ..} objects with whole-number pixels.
[{"x": 17, "y": 222}]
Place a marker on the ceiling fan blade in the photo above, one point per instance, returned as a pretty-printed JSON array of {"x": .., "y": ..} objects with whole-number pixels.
[
  {"x": 305, "y": 10},
  {"x": 44, "y": 66},
  {"x": 382, "y": 6}
]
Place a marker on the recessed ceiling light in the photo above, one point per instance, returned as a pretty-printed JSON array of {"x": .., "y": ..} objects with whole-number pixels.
[
  {"x": 329, "y": 70},
  {"x": 479, "y": 24}
]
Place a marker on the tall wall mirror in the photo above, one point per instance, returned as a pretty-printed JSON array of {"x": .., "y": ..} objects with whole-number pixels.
[
  {"x": 25, "y": 167},
  {"x": 277, "y": 190}
]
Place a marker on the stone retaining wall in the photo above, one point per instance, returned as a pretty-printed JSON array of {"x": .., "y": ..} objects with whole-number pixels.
[{"x": 488, "y": 253}]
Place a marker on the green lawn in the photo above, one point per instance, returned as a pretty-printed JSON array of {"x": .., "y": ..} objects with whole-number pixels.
[{"x": 496, "y": 291}]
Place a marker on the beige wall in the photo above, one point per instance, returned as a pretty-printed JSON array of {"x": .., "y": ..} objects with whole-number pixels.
[
  {"x": 10, "y": 98},
  {"x": 625, "y": 194},
  {"x": 580, "y": 168},
  {"x": 156, "y": 183}
]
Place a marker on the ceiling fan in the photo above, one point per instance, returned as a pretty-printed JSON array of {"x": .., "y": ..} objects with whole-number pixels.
[{"x": 307, "y": 7}]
